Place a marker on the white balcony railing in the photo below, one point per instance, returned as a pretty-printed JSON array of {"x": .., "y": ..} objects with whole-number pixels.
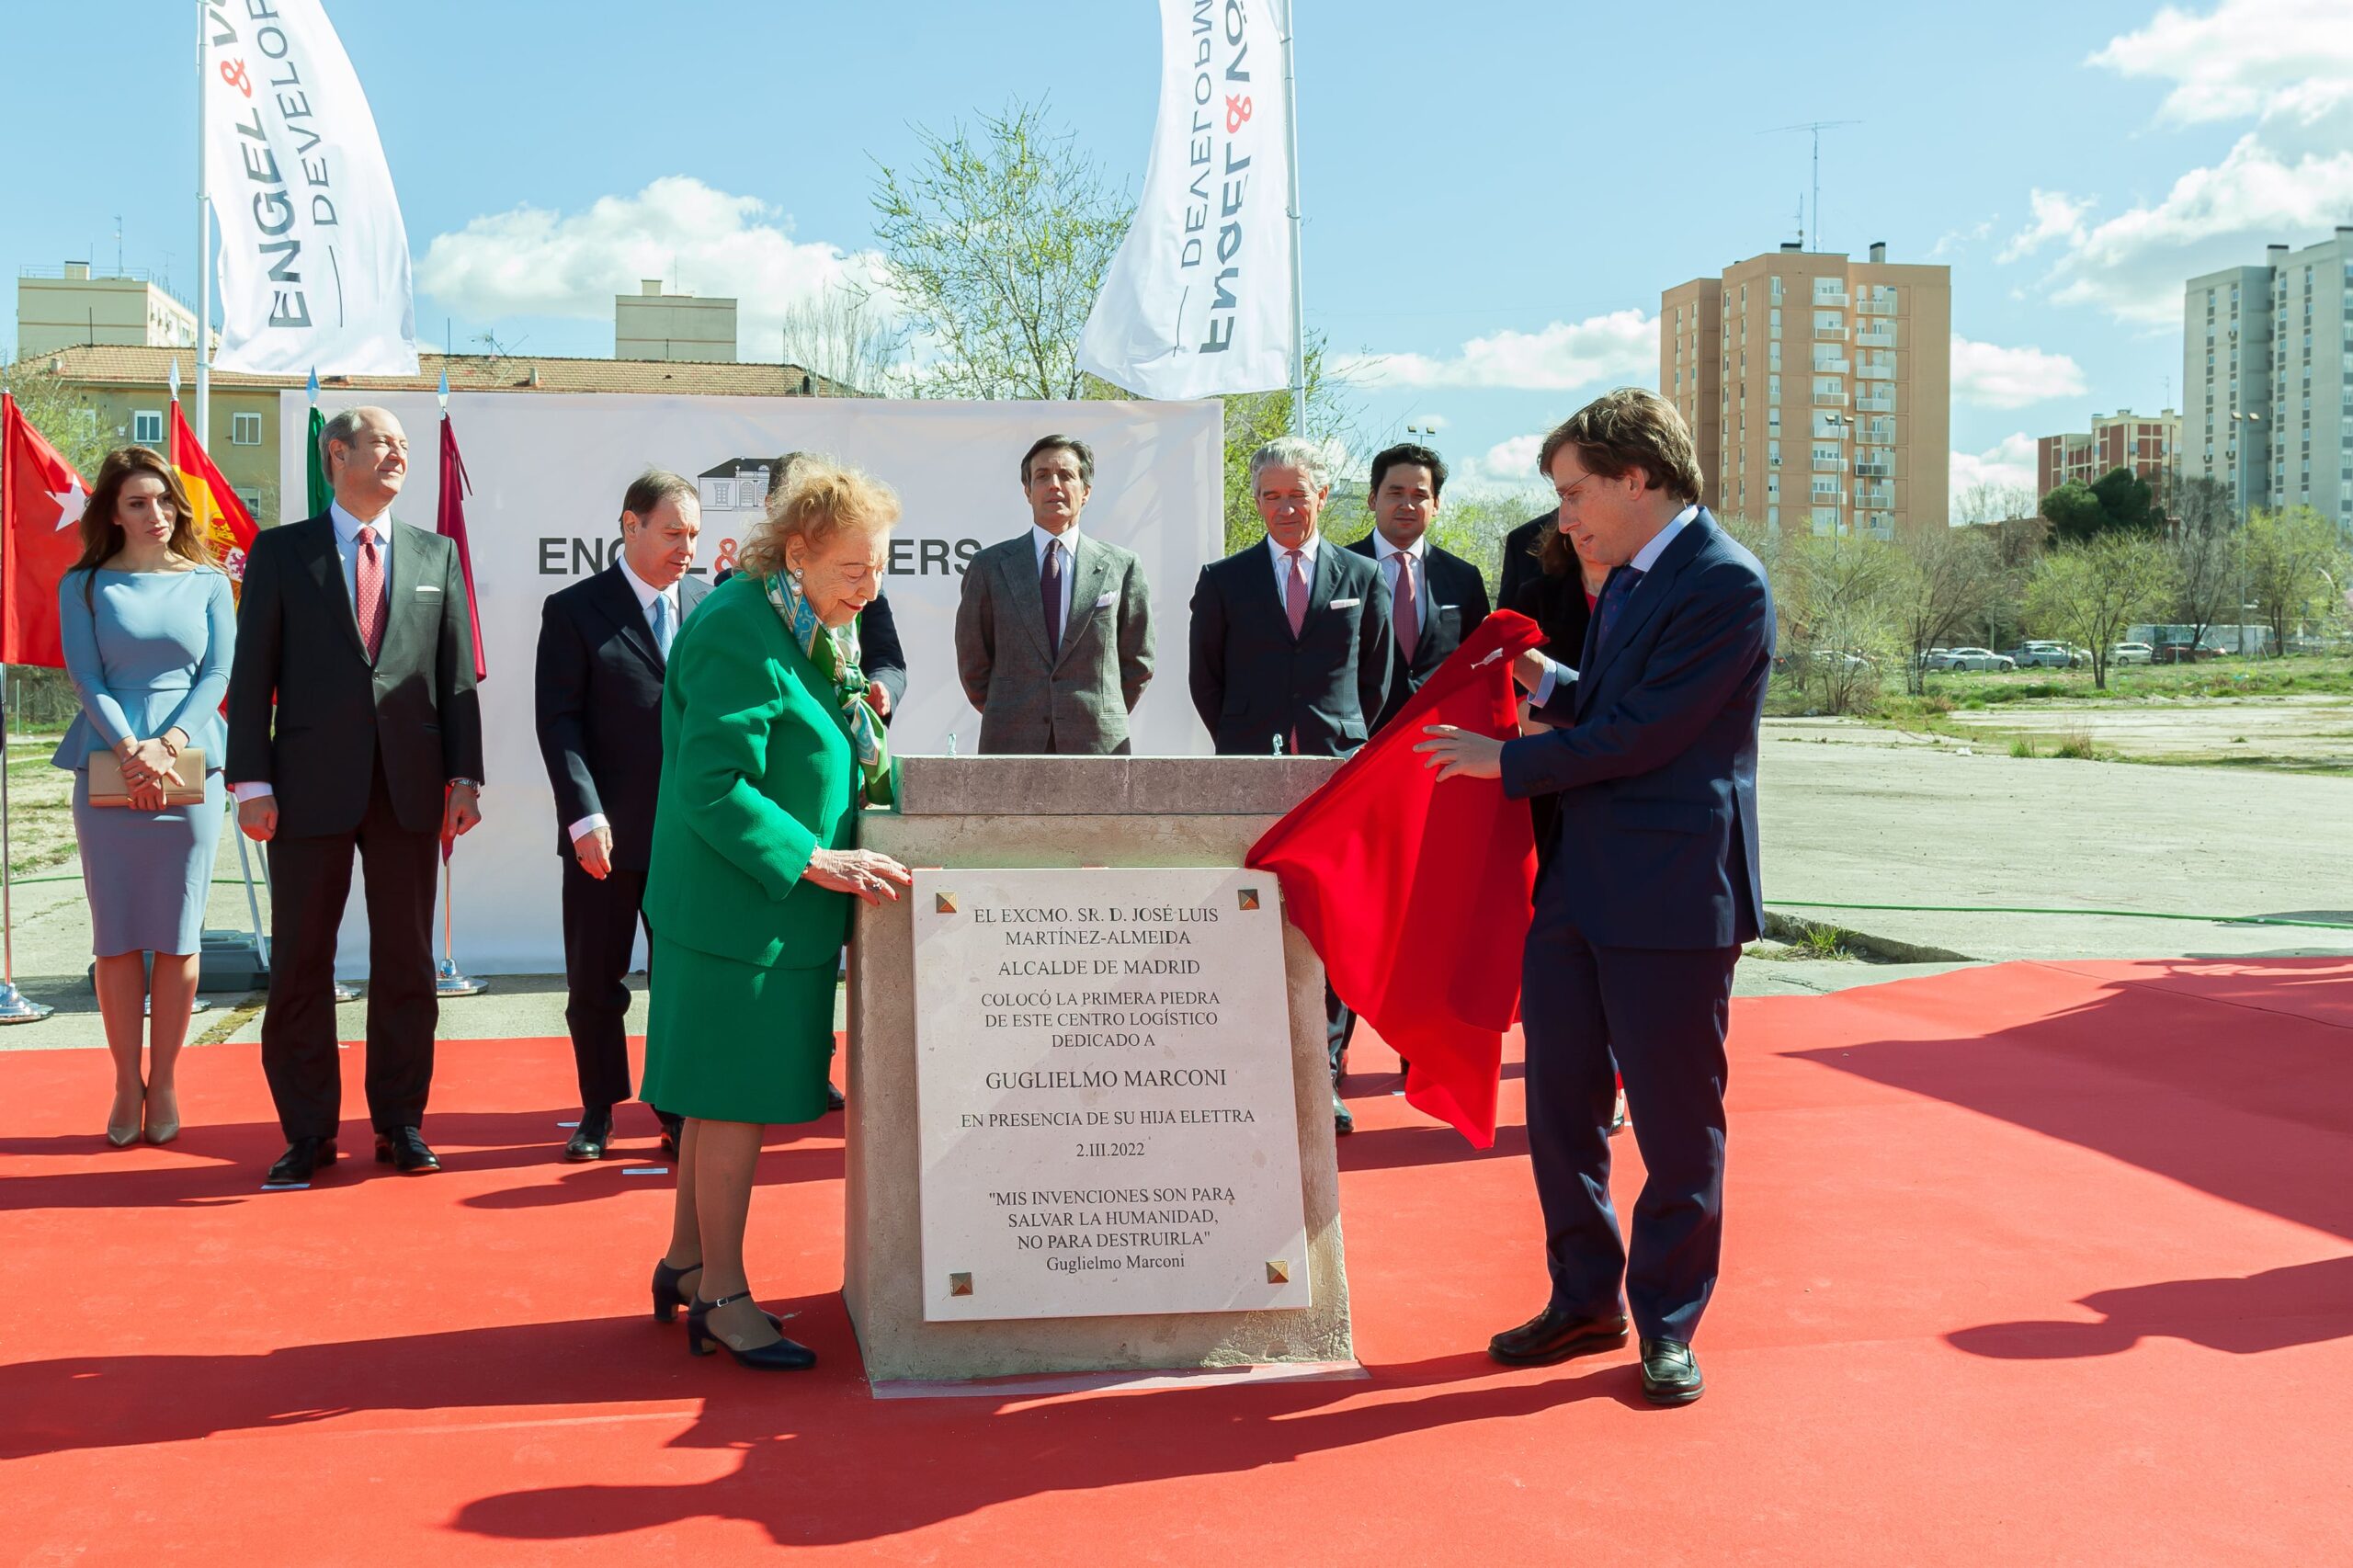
[
  {"x": 1833, "y": 400},
  {"x": 1879, "y": 335},
  {"x": 1831, "y": 464},
  {"x": 1877, "y": 405},
  {"x": 1874, "y": 471},
  {"x": 1876, "y": 307},
  {"x": 1830, "y": 334}
]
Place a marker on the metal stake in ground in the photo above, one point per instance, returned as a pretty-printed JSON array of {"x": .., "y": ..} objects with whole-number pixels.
[
  {"x": 449, "y": 980},
  {"x": 13, "y": 1006}
]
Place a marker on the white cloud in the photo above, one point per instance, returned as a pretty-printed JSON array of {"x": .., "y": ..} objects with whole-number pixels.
[
  {"x": 2057, "y": 216},
  {"x": 2264, "y": 59},
  {"x": 1993, "y": 377},
  {"x": 1953, "y": 240},
  {"x": 2008, "y": 464},
  {"x": 2285, "y": 64},
  {"x": 531, "y": 261},
  {"x": 1619, "y": 347},
  {"x": 1513, "y": 461}
]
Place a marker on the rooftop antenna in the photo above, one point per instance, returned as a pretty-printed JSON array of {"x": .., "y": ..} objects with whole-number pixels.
[
  {"x": 1817, "y": 127},
  {"x": 118, "y": 244}
]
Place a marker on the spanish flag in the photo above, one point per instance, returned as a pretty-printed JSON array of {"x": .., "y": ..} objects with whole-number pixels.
[{"x": 226, "y": 524}]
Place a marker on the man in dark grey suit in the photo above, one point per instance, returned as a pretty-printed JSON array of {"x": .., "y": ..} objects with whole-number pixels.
[
  {"x": 604, "y": 646},
  {"x": 353, "y": 724},
  {"x": 1436, "y": 598},
  {"x": 1053, "y": 632},
  {"x": 1290, "y": 646}
]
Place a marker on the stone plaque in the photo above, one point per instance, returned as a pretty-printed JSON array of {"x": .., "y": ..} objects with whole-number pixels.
[{"x": 1104, "y": 1089}]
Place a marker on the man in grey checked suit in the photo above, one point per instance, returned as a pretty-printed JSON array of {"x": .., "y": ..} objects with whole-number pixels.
[{"x": 1054, "y": 634}]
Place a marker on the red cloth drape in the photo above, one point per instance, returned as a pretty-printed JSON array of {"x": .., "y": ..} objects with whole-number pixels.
[{"x": 1415, "y": 894}]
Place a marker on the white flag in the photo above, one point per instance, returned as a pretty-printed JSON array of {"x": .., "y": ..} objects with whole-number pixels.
[
  {"x": 1199, "y": 300},
  {"x": 313, "y": 256}
]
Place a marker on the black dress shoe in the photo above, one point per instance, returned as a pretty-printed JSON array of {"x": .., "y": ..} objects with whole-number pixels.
[
  {"x": 673, "y": 1128},
  {"x": 1344, "y": 1120},
  {"x": 588, "y": 1139},
  {"x": 834, "y": 1100},
  {"x": 782, "y": 1356},
  {"x": 1555, "y": 1335},
  {"x": 1670, "y": 1372},
  {"x": 403, "y": 1149},
  {"x": 302, "y": 1156}
]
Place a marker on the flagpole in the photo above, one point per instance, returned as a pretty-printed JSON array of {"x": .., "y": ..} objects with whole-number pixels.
[
  {"x": 1298, "y": 276},
  {"x": 448, "y": 979},
  {"x": 203, "y": 250}
]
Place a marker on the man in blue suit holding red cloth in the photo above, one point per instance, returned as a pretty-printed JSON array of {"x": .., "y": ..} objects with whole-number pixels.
[{"x": 1651, "y": 892}]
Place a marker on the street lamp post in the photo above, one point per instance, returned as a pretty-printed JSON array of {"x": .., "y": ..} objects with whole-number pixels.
[{"x": 2241, "y": 444}]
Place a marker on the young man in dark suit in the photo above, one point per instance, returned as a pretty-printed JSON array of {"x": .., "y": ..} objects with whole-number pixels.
[
  {"x": 1650, "y": 892},
  {"x": 353, "y": 724},
  {"x": 1436, "y": 598},
  {"x": 1291, "y": 645},
  {"x": 604, "y": 646}
]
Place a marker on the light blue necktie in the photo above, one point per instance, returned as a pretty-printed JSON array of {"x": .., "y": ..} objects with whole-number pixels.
[{"x": 661, "y": 633}]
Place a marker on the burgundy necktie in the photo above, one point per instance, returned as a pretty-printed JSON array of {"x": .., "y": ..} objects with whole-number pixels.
[
  {"x": 1295, "y": 592},
  {"x": 1409, "y": 610},
  {"x": 1049, "y": 589},
  {"x": 371, "y": 593}
]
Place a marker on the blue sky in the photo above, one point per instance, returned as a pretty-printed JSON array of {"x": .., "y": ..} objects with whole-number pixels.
[{"x": 1496, "y": 193}]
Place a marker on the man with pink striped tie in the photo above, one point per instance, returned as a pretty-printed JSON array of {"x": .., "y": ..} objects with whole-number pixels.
[
  {"x": 353, "y": 726},
  {"x": 1291, "y": 642}
]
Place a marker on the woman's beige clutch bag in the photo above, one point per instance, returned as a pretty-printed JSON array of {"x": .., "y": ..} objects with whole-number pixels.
[{"x": 106, "y": 788}]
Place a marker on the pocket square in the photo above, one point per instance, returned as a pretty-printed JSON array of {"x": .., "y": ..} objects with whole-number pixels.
[
  {"x": 1344, "y": 604},
  {"x": 427, "y": 588},
  {"x": 1106, "y": 601}
]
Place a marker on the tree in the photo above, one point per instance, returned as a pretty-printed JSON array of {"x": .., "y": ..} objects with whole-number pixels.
[
  {"x": 842, "y": 337},
  {"x": 1989, "y": 503},
  {"x": 2125, "y": 499},
  {"x": 1943, "y": 581},
  {"x": 60, "y": 412},
  {"x": 2291, "y": 559},
  {"x": 2205, "y": 551},
  {"x": 1253, "y": 419},
  {"x": 2118, "y": 499},
  {"x": 994, "y": 246},
  {"x": 2091, "y": 593},
  {"x": 1836, "y": 604}
]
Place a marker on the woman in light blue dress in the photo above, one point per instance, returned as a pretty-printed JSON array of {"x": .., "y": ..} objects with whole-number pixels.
[{"x": 148, "y": 624}]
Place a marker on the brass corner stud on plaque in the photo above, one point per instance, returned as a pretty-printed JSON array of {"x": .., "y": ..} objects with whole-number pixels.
[
  {"x": 943, "y": 903},
  {"x": 1279, "y": 1273},
  {"x": 1249, "y": 898},
  {"x": 960, "y": 1284}
]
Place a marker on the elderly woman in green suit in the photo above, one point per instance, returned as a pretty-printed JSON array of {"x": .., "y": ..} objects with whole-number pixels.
[{"x": 769, "y": 748}]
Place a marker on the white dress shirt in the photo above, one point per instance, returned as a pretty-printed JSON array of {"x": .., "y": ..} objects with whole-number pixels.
[
  {"x": 1068, "y": 538},
  {"x": 1282, "y": 565},
  {"x": 346, "y": 551},
  {"x": 1644, "y": 559},
  {"x": 1414, "y": 560},
  {"x": 646, "y": 594}
]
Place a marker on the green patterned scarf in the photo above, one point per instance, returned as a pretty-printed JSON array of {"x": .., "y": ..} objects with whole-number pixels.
[{"x": 833, "y": 650}]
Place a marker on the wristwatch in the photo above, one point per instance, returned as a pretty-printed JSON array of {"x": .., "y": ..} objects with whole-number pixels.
[{"x": 473, "y": 784}]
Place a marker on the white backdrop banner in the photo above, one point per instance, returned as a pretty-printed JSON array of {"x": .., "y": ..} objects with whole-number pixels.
[
  {"x": 314, "y": 270},
  {"x": 1198, "y": 301},
  {"x": 548, "y": 473}
]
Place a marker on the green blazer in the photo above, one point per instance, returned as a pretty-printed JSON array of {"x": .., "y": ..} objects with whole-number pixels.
[{"x": 757, "y": 774}]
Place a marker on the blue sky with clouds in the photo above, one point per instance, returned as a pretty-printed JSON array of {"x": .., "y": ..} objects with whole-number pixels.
[{"x": 1496, "y": 193}]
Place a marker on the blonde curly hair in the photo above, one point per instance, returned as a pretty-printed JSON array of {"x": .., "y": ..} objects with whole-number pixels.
[{"x": 819, "y": 500}]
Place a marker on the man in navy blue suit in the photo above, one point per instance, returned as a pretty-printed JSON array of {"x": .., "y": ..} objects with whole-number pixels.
[{"x": 1650, "y": 891}]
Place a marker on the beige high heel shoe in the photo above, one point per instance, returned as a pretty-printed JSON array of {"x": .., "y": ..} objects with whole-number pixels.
[
  {"x": 117, "y": 1134},
  {"x": 162, "y": 1132}
]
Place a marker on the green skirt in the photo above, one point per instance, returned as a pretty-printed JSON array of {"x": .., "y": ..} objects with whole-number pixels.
[{"x": 729, "y": 1041}]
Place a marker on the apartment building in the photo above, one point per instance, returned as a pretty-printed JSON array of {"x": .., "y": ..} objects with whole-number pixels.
[
  {"x": 62, "y": 307},
  {"x": 1819, "y": 389},
  {"x": 2267, "y": 379},
  {"x": 2149, "y": 446}
]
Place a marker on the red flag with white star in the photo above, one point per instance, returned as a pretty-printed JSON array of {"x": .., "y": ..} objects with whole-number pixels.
[{"x": 40, "y": 535}]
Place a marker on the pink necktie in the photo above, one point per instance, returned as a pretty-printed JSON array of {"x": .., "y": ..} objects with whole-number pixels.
[
  {"x": 1295, "y": 592},
  {"x": 371, "y": 593},
  {"x": 1409, "y": 613}
]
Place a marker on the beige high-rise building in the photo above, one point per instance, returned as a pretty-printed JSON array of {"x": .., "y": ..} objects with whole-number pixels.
[
  {"x": 651, "y": 324},
  {"x": 65, "y": 307},
  {"x": 1819, "y": 389}
]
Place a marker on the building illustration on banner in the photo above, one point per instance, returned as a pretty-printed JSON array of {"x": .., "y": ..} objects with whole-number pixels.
[{"x": 739, "y": 484}]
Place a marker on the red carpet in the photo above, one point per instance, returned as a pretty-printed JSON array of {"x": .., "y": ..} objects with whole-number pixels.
[{"x": 2042, "y": 1264}]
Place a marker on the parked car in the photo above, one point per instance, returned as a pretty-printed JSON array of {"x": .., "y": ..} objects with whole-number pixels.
[
  {"x": 1930, "y": 658},
  {"x": 2131, "y": 653},
  {"x": 2043, "y": 655},
  {"x": 1971, "y": 659},
  {"x": 2185, "y": 654},
  {"x": 1843, "y": 658}
]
